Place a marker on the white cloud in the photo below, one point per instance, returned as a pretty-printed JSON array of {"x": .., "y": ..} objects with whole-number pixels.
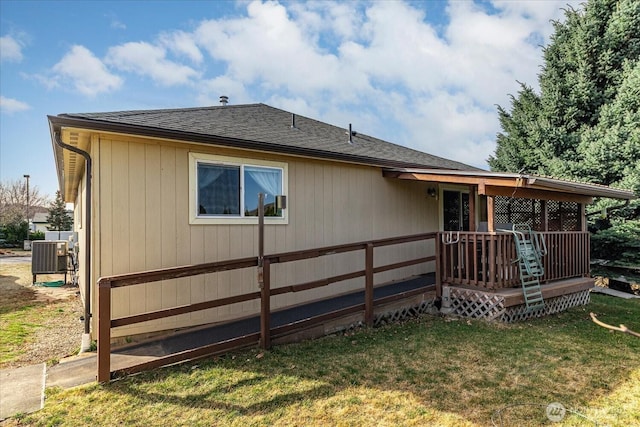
[
  {"x": 86, "y": 72},
  {"x": 385, "y": 65},
  {"x": 114, "y": 22},
  {"x": 181, "y": 43},
  {"x": 379, "y": 65},
  {"x": 10, "y": 49},
  {"x": 118, "y": 25},
  {"x": 271, "y": 49},
  {"x": 10, "y": 105},
  {"x": 148, "y": 60}
]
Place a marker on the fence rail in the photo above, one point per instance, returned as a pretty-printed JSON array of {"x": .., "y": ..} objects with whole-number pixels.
[
  {"x": 106, "y": 284},
  {"x": 486, "y": 260}
]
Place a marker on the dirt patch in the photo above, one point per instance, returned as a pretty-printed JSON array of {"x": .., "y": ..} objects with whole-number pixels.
[{"x": 53, "y": 312}]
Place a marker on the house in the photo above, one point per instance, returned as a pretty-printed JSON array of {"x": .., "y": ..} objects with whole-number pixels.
[
  {"x": 179, "y": 187},
  {"x": 39, "y": 222}
]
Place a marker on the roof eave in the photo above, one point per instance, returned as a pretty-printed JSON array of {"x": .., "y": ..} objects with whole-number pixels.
[
  {"x": 58, "y": 122},
  {"x": 583, "y": 188},
  {"x": 515, "y": 180}
]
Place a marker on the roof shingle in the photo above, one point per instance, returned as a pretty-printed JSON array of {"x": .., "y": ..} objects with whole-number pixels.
[{"x": 269, "y": 128}]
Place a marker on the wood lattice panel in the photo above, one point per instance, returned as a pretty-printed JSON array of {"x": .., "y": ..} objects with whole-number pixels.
[
  {"x": 553, "y": 305},
  {"x": 477, "y": 305},
  {"x": 485, "y": 305},
  {"x": 404, "y": 313},
  {"x": 561, "y": 216}
]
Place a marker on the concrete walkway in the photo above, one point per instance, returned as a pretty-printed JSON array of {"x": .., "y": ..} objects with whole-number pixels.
[
  {"x": 22, "y": 390},
  {"x": 613, "y": 293}
]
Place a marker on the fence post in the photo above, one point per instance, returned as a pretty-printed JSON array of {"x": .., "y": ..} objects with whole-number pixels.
[
  {"x": 104, "y": 330},
  {"x": 265, "y": 305},
  {"x": 492, "y": 261},
  {"x": 368, "y": 286},
  {"x": 438, "y": 267}
]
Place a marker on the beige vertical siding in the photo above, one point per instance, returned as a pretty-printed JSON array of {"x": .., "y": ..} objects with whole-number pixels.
[{"x": 142, "y": 194}]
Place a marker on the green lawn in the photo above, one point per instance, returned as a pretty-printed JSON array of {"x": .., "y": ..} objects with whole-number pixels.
[{"x": 429, "y": 371}]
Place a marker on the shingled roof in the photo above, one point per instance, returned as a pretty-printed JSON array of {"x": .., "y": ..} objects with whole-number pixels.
[{"x": 258, "y": 127}]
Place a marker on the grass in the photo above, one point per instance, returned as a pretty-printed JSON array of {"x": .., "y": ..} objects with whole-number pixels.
[
  {"x": 19, "y": 312},
  {"x": 428, "y": 371},
  {"x": 22, "y": 313},
  {"x": 16, "y": 330}
]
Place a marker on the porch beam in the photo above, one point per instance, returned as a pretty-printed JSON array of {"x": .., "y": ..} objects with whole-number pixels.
[
  {"x": 472, "y": 208},
  {"x": 530, "y": 193},
  {"x": 454, "y": 179},
  {"x": 491, "y": 222}
]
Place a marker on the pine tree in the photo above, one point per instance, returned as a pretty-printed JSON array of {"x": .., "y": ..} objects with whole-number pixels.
[
  {"x": 59, "y": 219},
  {"x": 585, "y": 122}
]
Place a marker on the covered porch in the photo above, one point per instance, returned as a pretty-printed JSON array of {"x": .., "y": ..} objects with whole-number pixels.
[{"x": 479, "y": 269}]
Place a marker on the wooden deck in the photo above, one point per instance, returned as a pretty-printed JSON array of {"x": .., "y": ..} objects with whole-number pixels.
[
  {"x": 485, "y": 261},
  {"x": 507, "y": 304},
  {"x": 514, "y": 296}
]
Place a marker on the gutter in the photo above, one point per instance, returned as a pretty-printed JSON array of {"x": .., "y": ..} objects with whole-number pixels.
[
  {"x": 87, "y": 250},
  {"x": 607, "y": 211}
]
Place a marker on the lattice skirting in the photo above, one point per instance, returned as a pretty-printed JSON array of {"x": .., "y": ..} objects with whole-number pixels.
[
  {"x": 404, "y": 313},
  {"x": 483, "y": 305},
  {"x": 477, "y": 305},
  {"x": 552, "y": 306}
]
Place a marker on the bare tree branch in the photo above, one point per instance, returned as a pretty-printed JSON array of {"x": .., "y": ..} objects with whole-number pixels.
[
  {"x": 622, "y": 328},
  {"x": 13, "y": 200}
]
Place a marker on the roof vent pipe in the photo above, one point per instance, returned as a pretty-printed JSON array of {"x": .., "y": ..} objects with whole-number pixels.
[
  {"x": 350, "y": 134},
  {"x": 224, "y": 100},
  {"x": 293, "y": 121}
]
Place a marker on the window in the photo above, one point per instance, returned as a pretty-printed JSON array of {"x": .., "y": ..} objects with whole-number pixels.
[{"x": 225, "y": 190}]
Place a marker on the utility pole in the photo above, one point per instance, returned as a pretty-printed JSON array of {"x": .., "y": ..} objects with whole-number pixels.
[{"x": 28, "y": 227}]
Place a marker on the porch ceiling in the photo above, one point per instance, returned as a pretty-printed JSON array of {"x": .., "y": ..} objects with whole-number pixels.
[{"x": 514, "y": 185}]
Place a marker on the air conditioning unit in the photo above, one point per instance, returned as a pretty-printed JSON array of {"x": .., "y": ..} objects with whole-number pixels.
[{"x": 48, "y": 257}]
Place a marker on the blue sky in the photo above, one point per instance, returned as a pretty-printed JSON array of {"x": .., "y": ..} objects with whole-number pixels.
[{"x": 427, "y": 75}]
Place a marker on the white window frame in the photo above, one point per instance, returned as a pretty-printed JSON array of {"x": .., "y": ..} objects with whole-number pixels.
[{"x": 196, "y": 219}]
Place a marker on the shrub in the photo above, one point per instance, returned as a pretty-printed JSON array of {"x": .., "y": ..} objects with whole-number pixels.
[{"x": 620, "y": 243}]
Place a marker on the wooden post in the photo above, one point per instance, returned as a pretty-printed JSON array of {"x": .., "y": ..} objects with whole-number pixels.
[
  {"x": 492, "y": 260},
  {"x": 104, "y": 331},
  {"x": 545, "y": 215},
  {"x": 491, "y": 224},
  {"x": 438, "y": 266},
  {"x": 260, "y": 228},
  {"x": 472, "y": 208},
  {"x": 583, "y": 217},
  {"x": 368, "y": 287},
  {"x": 265, "y": 305},
  {"x": 264, "y": 281}
]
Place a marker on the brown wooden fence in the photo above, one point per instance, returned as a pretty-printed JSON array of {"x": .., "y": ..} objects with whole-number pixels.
[
  {"x": 486, "y": 260},
  {"x": 264, "y": 293}
]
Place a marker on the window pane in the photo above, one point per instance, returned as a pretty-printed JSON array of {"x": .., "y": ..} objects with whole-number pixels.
[
  {"x": 218, "y": 190},
  {"x": 261, "y": 180}
]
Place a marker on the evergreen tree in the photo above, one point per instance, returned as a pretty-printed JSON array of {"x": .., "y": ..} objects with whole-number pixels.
[
  {"x": 585, "y": 122},
  {"x": 59, "y": 219}
]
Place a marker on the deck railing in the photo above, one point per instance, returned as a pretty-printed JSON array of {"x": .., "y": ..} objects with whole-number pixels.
[
  {"x": 264, "y": 293},
  {"x": 486, "y": 260}
]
